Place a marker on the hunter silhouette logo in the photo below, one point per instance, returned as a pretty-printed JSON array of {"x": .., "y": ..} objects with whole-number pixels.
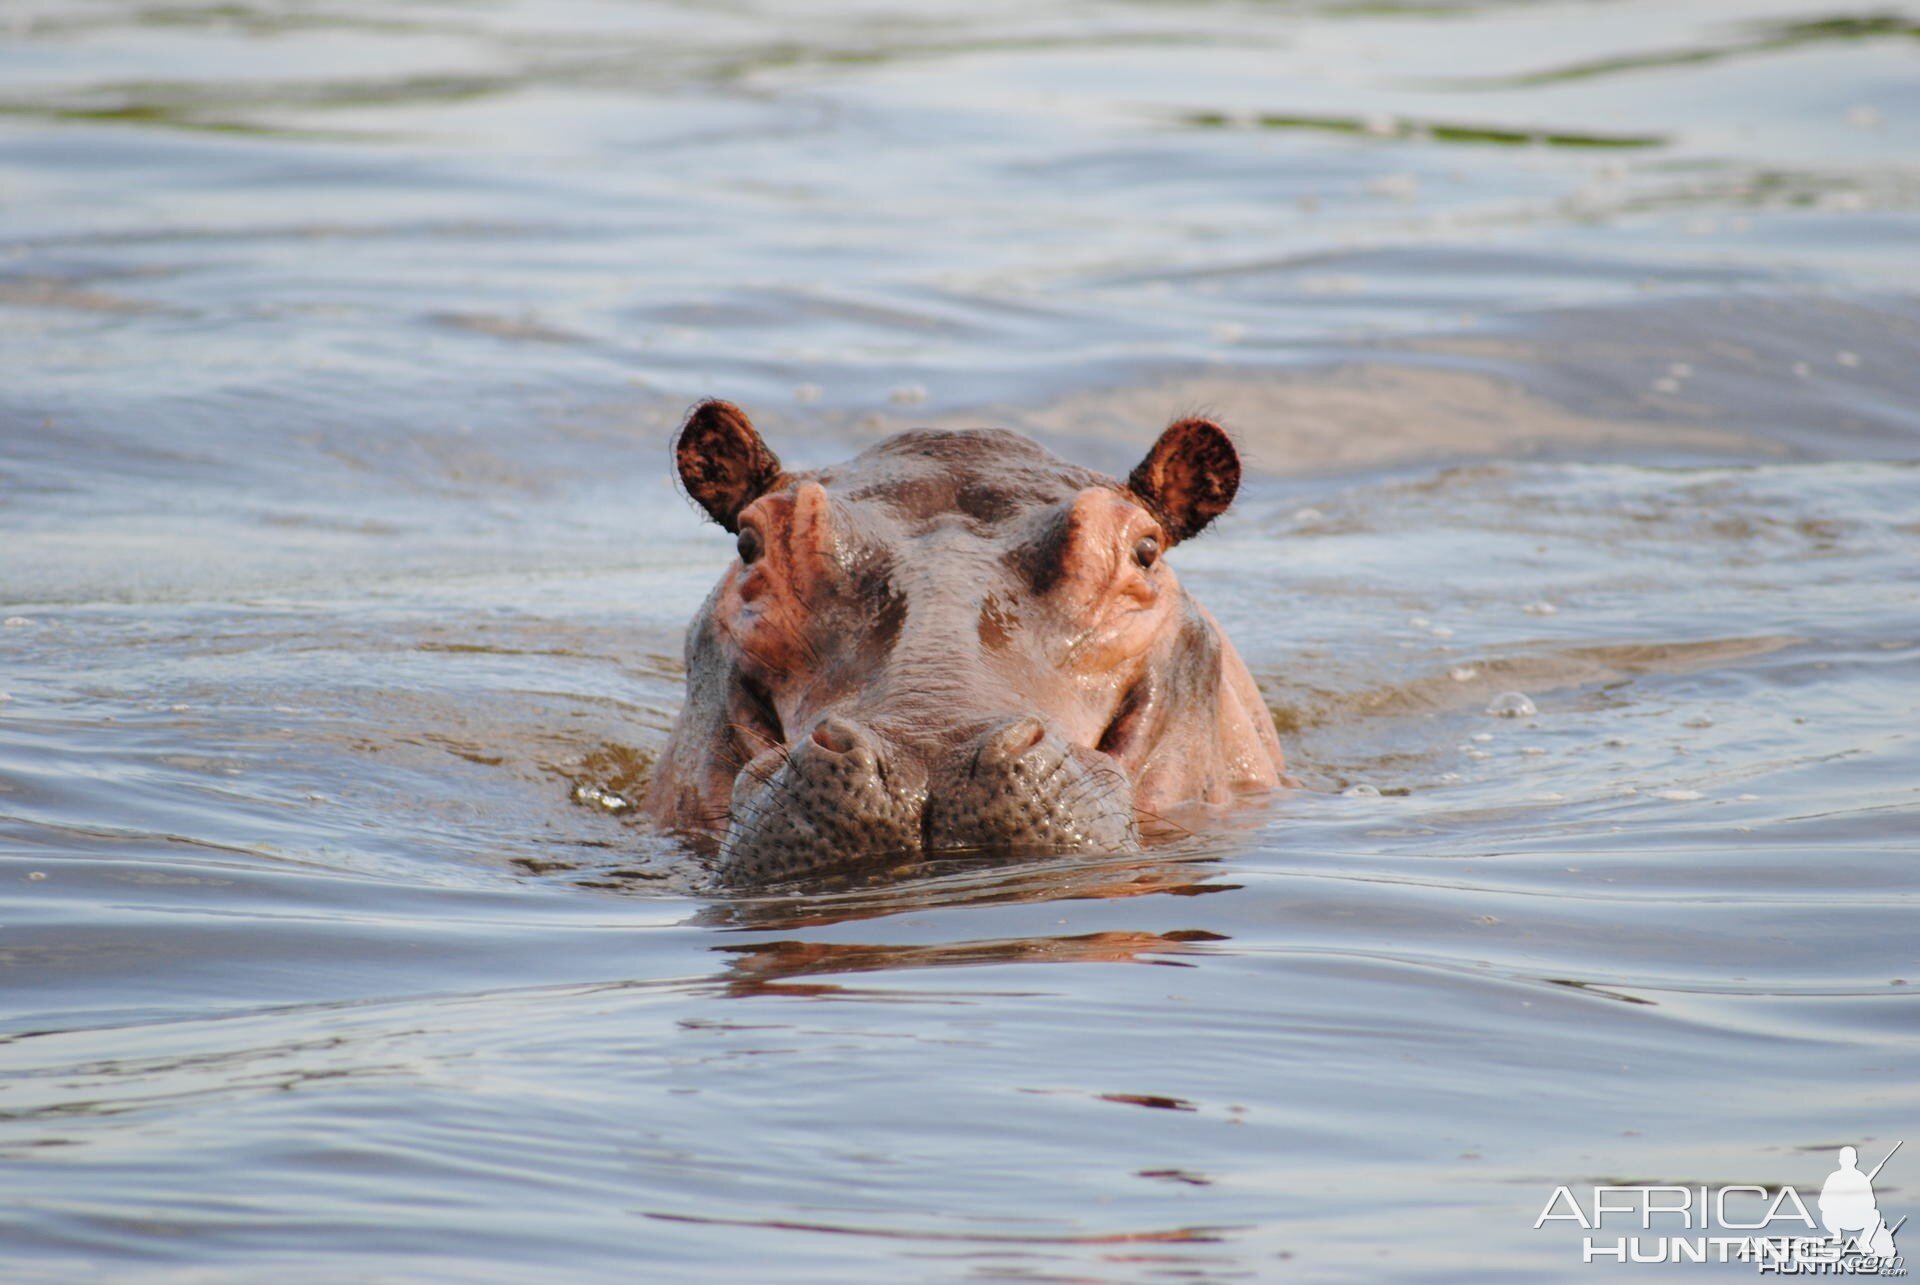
[
  {"x": 1773, "y": 1228},
  {"x": 1847, "y": 1207}
]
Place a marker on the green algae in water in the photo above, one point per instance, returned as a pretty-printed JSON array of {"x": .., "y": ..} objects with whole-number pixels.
[{"x": 1437, "y": 131}]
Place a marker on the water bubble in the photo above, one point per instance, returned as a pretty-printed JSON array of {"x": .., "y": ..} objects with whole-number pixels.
[
  {"x": 1540, "y": 607},
  {"x": 1441, "y": 631},
  {"x": 1847, "y": 359},
  {"x": 1419, "y": 622},
  {"x": 1483, "y": 737},
  {"x": 1307, "y": 515},
  {"x": 1478, "y": 755},
  {"x": 1802, "y": 369},
  {"x": 1512, "y": 705},
  {"x": 807, "y": 394},
  {"x": 1463, "y": 673},
  {"x": 595, "y": 796},
  {"x": 1748, "y": 798},
  {"x": 16, "y": 622},
  {"x": 1361, "y": 791},
  {"x": 1678, "y": 796},
  {"x": 1680, "y": 370},
  {"x": 908, "y": 395},
  {"x": 1533, "y": 751}
]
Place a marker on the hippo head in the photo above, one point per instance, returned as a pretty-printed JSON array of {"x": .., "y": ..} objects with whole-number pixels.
[{"x": 953, "y": 642}]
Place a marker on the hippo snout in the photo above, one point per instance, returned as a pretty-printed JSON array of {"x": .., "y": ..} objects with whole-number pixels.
[
  {"x": 835, "y": 793},
  {"x": 1024, "y": 786},
  {"x": 846, "y": 790}
]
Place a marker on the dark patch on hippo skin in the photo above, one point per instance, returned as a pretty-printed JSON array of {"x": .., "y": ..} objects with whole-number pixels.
[
  {"x": 884, "y": 624},
  {"x": 1042, "y": 560},
  {"x": 981, "y": 477},
  {"x": 996, "y": 624},
  {"x": 722, "y": 461},
  {"x": 1189, "y": 477},
  {"x": 855, "y": 628},
  {"x": 985, "y": 505},
  {"x": 753, "y": 721},
  {"x": 1130, "y": 716}
]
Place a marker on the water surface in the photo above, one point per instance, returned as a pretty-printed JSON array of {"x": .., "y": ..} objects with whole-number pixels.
[{"x": 1571, "y": 350}]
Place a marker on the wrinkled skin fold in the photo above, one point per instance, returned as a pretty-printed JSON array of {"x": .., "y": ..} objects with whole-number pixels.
[{"x": 953, "y": 642}]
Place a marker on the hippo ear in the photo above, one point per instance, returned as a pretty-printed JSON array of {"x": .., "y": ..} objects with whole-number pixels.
[
  {"x": 722, "y": 461},
  {"x": 1189, "y": 477}
]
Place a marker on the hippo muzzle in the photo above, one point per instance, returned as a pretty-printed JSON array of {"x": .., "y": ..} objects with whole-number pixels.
[
  {"x": 847, "y": 792},
  {"x": 954, "y": 643}
]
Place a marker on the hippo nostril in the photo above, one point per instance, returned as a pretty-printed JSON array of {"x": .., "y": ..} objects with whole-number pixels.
[
  {"x": 1013, "y": 739},
  {"x": 836, "y": 735}
]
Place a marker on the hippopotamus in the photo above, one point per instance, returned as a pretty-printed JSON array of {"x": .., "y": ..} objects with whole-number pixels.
[{"x": 954, "y": 642}]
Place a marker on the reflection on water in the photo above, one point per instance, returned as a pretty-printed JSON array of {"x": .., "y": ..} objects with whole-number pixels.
[
  {"x": 949, "y": 882},
  {"x": 768, "y": 968},
  {"x": 342, "y": 583}
]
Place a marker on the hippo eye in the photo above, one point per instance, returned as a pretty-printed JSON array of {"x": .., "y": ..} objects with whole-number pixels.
[
  {"x": 1147, "y": 552},
  {"x": 749, "y": 545}
]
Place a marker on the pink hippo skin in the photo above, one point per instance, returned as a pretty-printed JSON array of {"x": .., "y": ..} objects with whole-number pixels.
[{"x": 952, "y": 642}]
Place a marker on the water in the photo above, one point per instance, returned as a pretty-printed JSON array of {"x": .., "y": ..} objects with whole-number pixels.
[{"x": 1571, "y": 347}]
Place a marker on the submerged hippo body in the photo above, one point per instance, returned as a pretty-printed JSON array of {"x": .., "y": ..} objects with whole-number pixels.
[{"x": 952, "y": 642}]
